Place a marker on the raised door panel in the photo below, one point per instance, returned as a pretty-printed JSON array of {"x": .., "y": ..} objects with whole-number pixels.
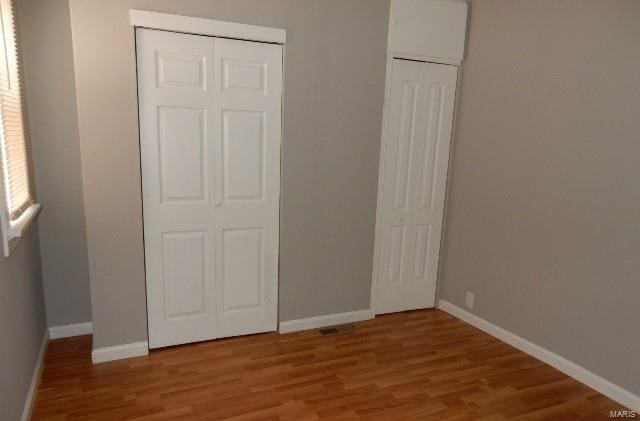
[
  {"x": 182, "y": 148},
  {"x": 244, "y": 76},
  {"x": 396, "y": 254},
  {"x": 181, "y": 70},
  {"x": 243, "y": 152},
  {"x": 430, "y": 159},
  {"x": 423, "y": 244},
  {"x": 406, "y": 134},
  {"x": 243, "y": 255},
  {"x": 184, "y": 273}
]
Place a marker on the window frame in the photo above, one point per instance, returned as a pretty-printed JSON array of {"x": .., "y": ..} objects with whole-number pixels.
[{"x": 14, "y": 229}]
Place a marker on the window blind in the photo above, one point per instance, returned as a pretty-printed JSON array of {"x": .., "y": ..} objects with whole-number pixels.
[{"x": 15, "y": 163}]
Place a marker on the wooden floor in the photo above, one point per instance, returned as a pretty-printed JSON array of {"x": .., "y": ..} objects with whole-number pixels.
[{"x": 414, "y": 365}]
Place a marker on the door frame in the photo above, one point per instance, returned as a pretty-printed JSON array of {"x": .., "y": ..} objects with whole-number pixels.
[
  {"x": 384, "y": 141},
  {"x": 212, "y": 28},
  {"x": 208, "y": 27}
]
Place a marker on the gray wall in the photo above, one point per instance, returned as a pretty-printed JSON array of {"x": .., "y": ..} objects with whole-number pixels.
[
  {"x": 22, "y": 323},
  {"x": 333, "y": 97},
  {"x": 22, "y": 316},
  {"x": 50, "y": 82},
  {"x": 543, "y": 221}
]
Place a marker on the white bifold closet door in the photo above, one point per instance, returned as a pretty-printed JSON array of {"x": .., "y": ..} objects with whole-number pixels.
[
  {"x": 210, "y": 134},
  {"x": 414, "y": 170}
]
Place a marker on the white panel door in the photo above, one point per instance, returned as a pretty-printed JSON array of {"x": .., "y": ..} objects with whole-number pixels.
[
  {"x": 210, "y": 156},
  {"x": 175, "y": 77},
  {"x": 419, "y": 119},
  {"x": 247, "y": 95}
]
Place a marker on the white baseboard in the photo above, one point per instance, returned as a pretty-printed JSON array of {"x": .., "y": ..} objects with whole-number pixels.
[
  {"x": 136, "y": 349},
  {"x": 35, "y": 379},
  {"x": 66, "y": 331},
  {"x": 569, "y": 368},
  {"x": 326, "y": 320}
]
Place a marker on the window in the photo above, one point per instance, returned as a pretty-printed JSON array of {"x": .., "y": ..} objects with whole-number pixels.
[{"x": 17, "y": 194}]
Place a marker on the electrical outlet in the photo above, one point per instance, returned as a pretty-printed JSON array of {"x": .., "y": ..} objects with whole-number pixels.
[{"x": 469, "y": 298}]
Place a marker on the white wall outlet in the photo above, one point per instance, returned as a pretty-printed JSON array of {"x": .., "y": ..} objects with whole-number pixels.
[{"x": 468, "y": 300}]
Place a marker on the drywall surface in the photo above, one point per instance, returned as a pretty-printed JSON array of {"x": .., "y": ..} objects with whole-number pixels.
[
  {"x": 333, "y": 99},
  {"x": 543, "y": 221},
  {"x": 49, "y": 79},
  {"x": 22, "y": 323},
  {"x": 23, "y": 320}
]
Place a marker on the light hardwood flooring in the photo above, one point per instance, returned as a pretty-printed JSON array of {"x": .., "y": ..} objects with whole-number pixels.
[{"x": 422, "y": 365}]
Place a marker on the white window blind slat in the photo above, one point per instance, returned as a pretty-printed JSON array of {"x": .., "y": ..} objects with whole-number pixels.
[{"x": 13, "y": 142}]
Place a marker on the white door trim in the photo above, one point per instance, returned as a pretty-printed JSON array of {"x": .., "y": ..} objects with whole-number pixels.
[
  {"x": 202, "y": 26},
  {"x": 383, "y": 153}
]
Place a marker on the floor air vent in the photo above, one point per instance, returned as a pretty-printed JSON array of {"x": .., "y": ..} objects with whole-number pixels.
[{"x": 334, "y": 330}]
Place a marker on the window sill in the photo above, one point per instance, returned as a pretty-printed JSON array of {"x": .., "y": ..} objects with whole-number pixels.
[{"x": 19, "y": 227}]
